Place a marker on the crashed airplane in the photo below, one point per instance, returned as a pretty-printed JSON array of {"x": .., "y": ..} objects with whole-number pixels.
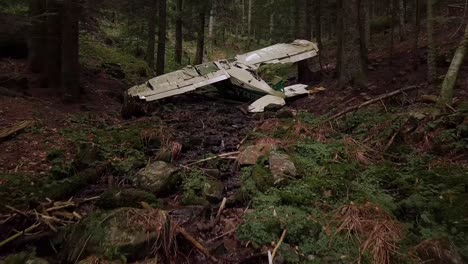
[{"x": 242, "y": 73}]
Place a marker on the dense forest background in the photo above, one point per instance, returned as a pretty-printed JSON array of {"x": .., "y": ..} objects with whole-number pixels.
[{"x": 370, "y": 167}]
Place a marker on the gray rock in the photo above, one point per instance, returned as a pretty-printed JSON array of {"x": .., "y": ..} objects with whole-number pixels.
[
  {"x": 213, "y": 190},
  {"x": 281, "y": 167},
  {"x": 157, "y": 177},
  {"x": 251, "y": 154}
]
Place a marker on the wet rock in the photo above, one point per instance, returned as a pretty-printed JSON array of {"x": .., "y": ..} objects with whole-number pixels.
[
  {"x": 438, "y": 252},
  {"x": 285, "y": 113},
  {"x": 114, "y": 70},
  {"x": 120, "y": 234},
  {"x": 157, "y": 177},
  {"x": 213, "y": 191},
  {"x": 113, "y": 199},
  {"x": 251, "y": 154},
  {"x": 281, "y": 167},
  {"x": 214, "y": 173}
]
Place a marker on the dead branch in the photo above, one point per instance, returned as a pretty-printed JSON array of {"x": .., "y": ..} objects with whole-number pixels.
[
  {"x": 15, "y": 236},
  {"x": 370, "y": 102},
  {"x": 283, "y": 235},
  {"x": 196, "y": 244},
  {"x": 9, "y": 131},
  {"x": 220, "y": 156}
]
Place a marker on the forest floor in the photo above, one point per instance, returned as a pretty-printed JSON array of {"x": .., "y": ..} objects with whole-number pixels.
[{"x": 394, "y": 166}]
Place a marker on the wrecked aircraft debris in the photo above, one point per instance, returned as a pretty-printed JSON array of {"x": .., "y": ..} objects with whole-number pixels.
[{"x": 241, "y": 73}]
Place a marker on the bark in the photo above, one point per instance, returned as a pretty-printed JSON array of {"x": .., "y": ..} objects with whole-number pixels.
[
  {"x": 54, "y": 43},
  {"x": 178, "y": 32},
  {"x": 37, "y": 42},
  {"x": 392, "y": 33},
  {"x": 151, "y": 42},
  {"x": 200, "y": 39},
  {"x": 364, "y": 30},
  {"x": 417, "y": 22},
  {"x": 401, "y": 19},
  {"x": 211, "y": 23},
  {"x": 446, "y": 93},
  {"x": 161, "y": 37},
  {"x": 303, "y": 32},
  {"x": 318, "y": 30},
  {"x": 70, "y": 50},
  {"x": 431, "y": 53},
  {"x": 249, "y": 19},
  {"x": 349, "y": 60}
]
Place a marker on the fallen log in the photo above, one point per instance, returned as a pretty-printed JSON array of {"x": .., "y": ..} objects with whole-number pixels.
[
  {"x": 369, "y": 102},
  {"x": 9, "y": 131}
]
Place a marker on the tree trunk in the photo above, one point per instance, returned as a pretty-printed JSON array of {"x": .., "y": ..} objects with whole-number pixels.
[
  {"x": 200, "y": 39},
  {"x": 349, "y": 61},
  {"x": 152, "y": 18},
  {"x": 161, "y": 37},
  {"x": 446, "y": 93},
  {"x": 178, "y": 32},
  {"x": 392, "y": 30},
  {"x": 71, "y": 49},
  {"x": 211, "y": 23},
  {"x": 304, "y": 74},
  {"x": 249, "y": 19},
  {"x": 401, "y": 19},
  {"x": 364, "y": 30},
  {"x": 37, "y": 42},
  {"x": 417, "y": 22},
  {"x": 54, "y": 43},
  {"x": 318, "y": 31},
  {"x": 431, "y": 53}
]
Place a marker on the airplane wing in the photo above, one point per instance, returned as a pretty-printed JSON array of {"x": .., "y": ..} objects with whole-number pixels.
[
  {"x": 182, "y": 81},
  {"x": 280, "y": 53}
]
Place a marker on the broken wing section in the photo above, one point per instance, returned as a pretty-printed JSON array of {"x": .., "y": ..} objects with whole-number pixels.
[
  {"x": 182, "y": 81},
  {"x": 299, "y": 50}
]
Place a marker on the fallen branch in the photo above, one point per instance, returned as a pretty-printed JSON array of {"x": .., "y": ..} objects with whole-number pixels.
[
  {"x": 9, "y": 131},
  {"x": 283, "y": 235},
  {"x": 220, "y": 156},
  {"x": 196, "y": 244},
  {"x": 369, "y": 102},
  {"x": 15, "y": 236}
]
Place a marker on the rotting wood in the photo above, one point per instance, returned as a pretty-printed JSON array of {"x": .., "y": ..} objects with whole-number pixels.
[
  {"x": 195, "y": 243},
  {"x": 369, "y": 102},
  {"x": 9, "y": 131}
]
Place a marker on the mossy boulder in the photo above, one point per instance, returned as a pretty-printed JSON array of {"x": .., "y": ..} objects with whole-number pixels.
[
  {"x": 123, "y": 234},
  {"x": 23, "y": 258},
  {"x": 251, "y": 154},
  {"x": 118, "y": 198},
  {"x": 281, "y": 167},
  {"x": 213, "y": 190},
  {"x": 158, "y": 177}
]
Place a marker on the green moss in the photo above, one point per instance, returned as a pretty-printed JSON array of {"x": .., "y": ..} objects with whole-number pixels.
[
  {"x": 193, "y": 185},
  {"x": 93, "y": 54}
]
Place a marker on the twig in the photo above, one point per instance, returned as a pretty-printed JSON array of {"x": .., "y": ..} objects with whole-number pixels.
[
  {"x": 223, "y": 235},
  {"x": 214, "y": 157},
  {"x": 15, "y": 236},
  {"x": 195, "y": 243},
  {"x": 278, "y": 244},
  {"x": 369, "y": 102},
  {"x": 16, "y": 210},
  {"x": 218, "y": 215}
]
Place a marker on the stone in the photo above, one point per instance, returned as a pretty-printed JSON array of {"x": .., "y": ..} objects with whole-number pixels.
[
  {"x": 124, "y": 233},
  {"x": 281, "y": 167},
  {"x": 438, "y": 252},
  {"x": 158, "y": 177},
  {"x": 285, "y": 113},
  {"x": 251, "y": 154},
  {"x": 24, "y": 258},
  {"x": 213, "y": 191}
]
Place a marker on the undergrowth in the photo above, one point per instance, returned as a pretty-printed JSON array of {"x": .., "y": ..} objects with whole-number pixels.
[{"x": 423, "y": 196}]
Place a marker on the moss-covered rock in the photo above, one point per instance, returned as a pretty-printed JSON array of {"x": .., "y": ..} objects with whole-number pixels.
[
  {"x": 125, "y": 234},
  {"x": 23, "y": 258},
  {"x": 281, "y": 167},
  {"x": 158, "y": 177},
  {"x": 118, "y": 198}
]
